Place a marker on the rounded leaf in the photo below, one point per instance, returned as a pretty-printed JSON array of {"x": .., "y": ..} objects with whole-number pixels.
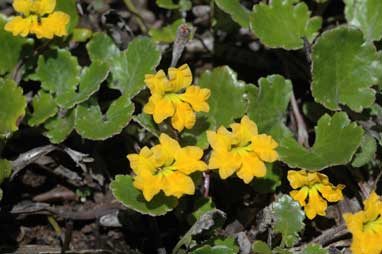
[
  {"x": 124, "y": 191},
  {"x": 344, "y": 69}
]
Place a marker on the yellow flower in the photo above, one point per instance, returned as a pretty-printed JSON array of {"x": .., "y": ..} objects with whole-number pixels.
[
  {"x": 366, "y": 227},
  {"x": 316, "y": 188},
  {"x": 39, "y": 19},
  {"x": 241, "y": 150},
  {"x": 175, "y": 97},
  {"x": 165, "y": 167}
]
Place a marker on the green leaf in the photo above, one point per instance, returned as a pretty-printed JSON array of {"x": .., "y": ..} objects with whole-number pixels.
[
  {"x": 260, "y": 247},
  {"x": 124, "y": 191},
  {"x": 367, "y": 153},
  {"x": 283, "y": 24},
  {"x": 90, "y": 82},
  {"x": 337, "y": 139},
  {"x": 289, "y": 219},
  {"x": 102, "y": 48},
  {"x": 166, "y": 34},
  {"x": 147, "y": 122},
  {"x": 219, "y": 249},
  {"x": 366, "y": 15},
  {"x": 130, "y": 68},
  {"x": 228, "y": 100},
  {"x": 44, "y": 107},
  {"x": 314, "y": 249},
  {"x": 10, "y": 48},
  {"x": 201, "y": 206},
  {"x": 58, "y": 72},
  {"x": 5, "y": 170},
  {"x": 70, "y": 8},
  {"x": 167, "y": 4},
  {"x": 268, "y": 105},
  {"x": 92, "y": 124},
  {"x": 344, "y": 69},
  {"x": 13, "y": 105},
  {"x": 81, "y": 34},
  {"x": 59, "y": 128},
  {"x": 238, "y": 12}
]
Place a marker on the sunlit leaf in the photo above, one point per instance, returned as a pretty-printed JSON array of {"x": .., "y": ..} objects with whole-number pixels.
[
  {"x": 167, "y": 33},
  {"x": 366, "y": 15},
  {"x": 260, "y": 247}
]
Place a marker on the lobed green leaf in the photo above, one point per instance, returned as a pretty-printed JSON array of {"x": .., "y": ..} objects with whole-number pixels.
[
  {"x": 337, "y": 139},
  {"x": 289, "y": 219},
  {"x": 284, "y": 23},
  {"x": 238, "y": 12}
]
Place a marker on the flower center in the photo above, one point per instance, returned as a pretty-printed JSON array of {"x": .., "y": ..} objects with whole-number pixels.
[
  {"x": 241, "y": 149},
  {"x": 173, "y": 97},
  {"x": 165, "y": 169},
  {"x": 373, "y": 225}
]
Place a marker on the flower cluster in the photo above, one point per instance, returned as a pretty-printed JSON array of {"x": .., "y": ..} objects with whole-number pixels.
[
  {"x": 175, "y": 97},
  {"x": 314, "y": 190},
  {"x": 166, "y": 167},
  {"x": 39, "y": 18},
  {"x": 241, "y": 150},
  {"x": 366, "y": 227}
]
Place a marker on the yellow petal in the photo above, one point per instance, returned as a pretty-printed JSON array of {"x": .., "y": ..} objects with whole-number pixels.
[
  {"x": 251, "y": 166},
  {"x": 316, "y": 205},
  {"x": 197, "y": 98},
  {"x": 300, "y": 195},
  {"x": 23, "y": 6},
  {"x": 226, "y": 162},
  {"x": 43, "y": 7},
  {"x": 19, "y": 26},
  {"x": 245, "y": 130},
  {"x": 177, "y": 184},
  {"x": 142, "y": 161},
  {"x": 150, "y": 185},
  {"x": 54, "y": 25},
  {"x": 264, "y": 146},
  {"x": 187, "y": 160},
  {"x": 354, "y": 222},
  {"x": 184, "y": 117},
  {"x": 331, "y": 193},
  {"x": 156, "y": 83},
  {"x": 180, "y": 77},
  {"x": 170, "y": 146},
  {"x": 160, "y": 107},
  {"x": 220, "y": 140},
  {"x": 297, "y": 179}
]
